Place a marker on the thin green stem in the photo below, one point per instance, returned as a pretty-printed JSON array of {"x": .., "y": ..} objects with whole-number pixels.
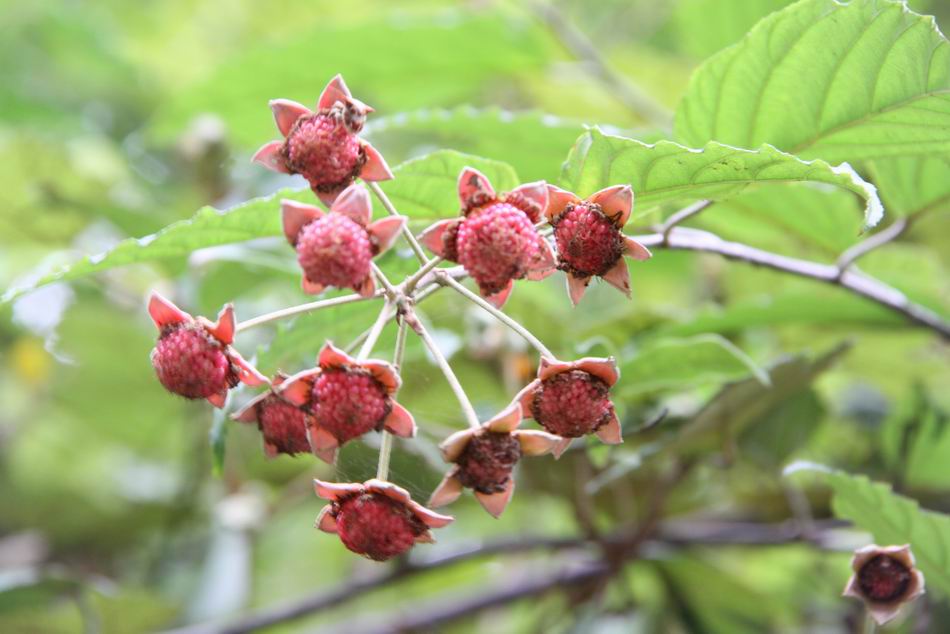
[
  {"x": 373, "y": 336},
  {"x": 497, "y": 314},
  {"x": 386, "y": 444},
  {"x": 470, "y": 416},
  {"x": 303, "y": 308},
  {"x": 406, "y": 233}
]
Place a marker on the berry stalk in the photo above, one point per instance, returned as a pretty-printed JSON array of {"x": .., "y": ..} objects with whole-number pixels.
[
  {"x": 497, "y": 314},
  {"x": 375, "y": 332},
  {"x": 386, "y": 444},
  {"x": 391, "y": 210},
  {"x": 303, "y": 308}
]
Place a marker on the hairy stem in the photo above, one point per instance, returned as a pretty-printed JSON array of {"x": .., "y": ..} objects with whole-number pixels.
[
  {"x": 406, "y": 233},
  {"x": 303, "y": 308},
  {"x": 497, "y": 314},
  {"x": 416, "y": 324},
  {"x": 386, "y": 444}
]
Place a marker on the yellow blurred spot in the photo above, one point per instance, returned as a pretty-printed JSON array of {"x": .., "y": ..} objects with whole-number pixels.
[{"x": 30, "y": 361}]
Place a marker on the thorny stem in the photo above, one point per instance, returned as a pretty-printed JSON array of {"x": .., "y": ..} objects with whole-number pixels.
[
  {"x": 497, "y": 314},
  {"x": 406, "y": 233},
  {"x": 374, "y": 332},
  {"x": 470, "y": 416},
  {"x": 303, "y": 308},
  {"x": 386, "y": 444}
]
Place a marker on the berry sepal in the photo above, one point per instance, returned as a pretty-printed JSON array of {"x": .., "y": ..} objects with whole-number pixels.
[
  {"x": 885, "y": 578},
  {"x": 282, "y": 424}
]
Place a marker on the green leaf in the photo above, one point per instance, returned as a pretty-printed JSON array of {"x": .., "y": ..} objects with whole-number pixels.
[
  {"x": 393, "y": 64},
  {"x": 891, "y": 519},
  {"x": 682, "y": 363},
  {"x": 844, "y": 82},
  {"x": 703, "y": 27},
  {"x": 667, "y": 171},
  {"x": 424, "y": 188}
]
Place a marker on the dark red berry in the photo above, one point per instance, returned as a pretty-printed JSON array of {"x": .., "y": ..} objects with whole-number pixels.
[
  {"x": 884, "y": 579},
  {"x": 376, "y": 526},
  {"x": 192, "y": 363},
  {"x": 487, "y": 461},
  {"x": 323, "y": 150},
  {"x": 349, "y": 403},
  {"x": 588, "y": 242},
  {"x": 572, "y": 404},
  {"x": 495, "y": 245},
  {"x": 283, "y": 425},
  {"x": 335, "y": 251}
]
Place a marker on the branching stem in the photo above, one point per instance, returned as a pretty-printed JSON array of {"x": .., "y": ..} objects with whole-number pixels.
[
  {"x": 303, "y": 308},
  {"x": 406, "y": 233}
]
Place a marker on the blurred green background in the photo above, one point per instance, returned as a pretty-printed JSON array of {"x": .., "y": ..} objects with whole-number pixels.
[{"x": 119, "y": 118}]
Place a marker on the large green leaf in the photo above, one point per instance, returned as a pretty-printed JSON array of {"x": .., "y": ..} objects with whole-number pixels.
[
  {"x": 892, "y": 519},
  {"x": 703, "y": 27},
  {"x": 391, "y": 64},
  {"x": 682, "y": 363},
  {"x": 424, "y": 188},
  {"x": 667, "y": 171},
  {"x": 820, "y": 78}
]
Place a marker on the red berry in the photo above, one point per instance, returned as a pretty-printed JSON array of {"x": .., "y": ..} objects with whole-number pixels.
[
  {"x": 376, "y": 526},
  {"x": 572, "y": 404},
  {"x": 283, "y": 425},
  {"x": 487, "y": 461},
  {"x": 884, "y": 579},
  {"x": 320, "y": 148},
  {"x": 588, "y": 242},
  {"x": 192, "y": 363},
  {"x": 335, "y": 251},
  {"x": 349, "y": 403},
  {"x": 495, "y": 245}
]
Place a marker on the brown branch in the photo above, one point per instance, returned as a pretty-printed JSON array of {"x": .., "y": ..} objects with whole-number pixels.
[
  {"x": 855, "y": 282},
  {"x": 683, "y": 534}
]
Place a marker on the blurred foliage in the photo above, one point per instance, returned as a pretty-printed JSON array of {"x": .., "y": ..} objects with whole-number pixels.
[{"x": 125, "y": 510}]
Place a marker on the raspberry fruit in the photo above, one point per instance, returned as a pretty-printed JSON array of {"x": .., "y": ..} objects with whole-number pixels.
[
  {"x": 495, "y": 245},
  {"x": 283, "y": 426},
  {"x": 885, "y": 578},
  {"x": 376, "y": 526},
  {"x": 572, "y": 404},
  {"x": 588, "y": 242},
  {"x": 487, "y": 461},
  {"x": 349, "y": 403},
  {"x": 375, "y": 519},
  {"x": 322, "y": 145},
  {"x": 192, "y": 363},
  {"x": 320, "y": 148},
  {"x": 193, "y": 357},
  {"x": 335, "y": 251}
]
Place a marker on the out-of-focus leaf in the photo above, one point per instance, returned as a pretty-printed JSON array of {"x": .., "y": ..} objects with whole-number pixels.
[
  {"x": 891, "y": 519},
  {"x": 741, "y": 404},
  {"x": 915, "y": 442},
  {"x": 913, "y": 184},
  {"x": 423, "y": 188},
  {"x": 703, "y": 27},
  {"x": 383, "y": 60},
  {"x": 683, "y": 363},
  {"x": 667, "y": 171},
  {"x": 822, "y": 78},
  {"x": 532, "y": 142},
  {"x": 782, "y": 430}
]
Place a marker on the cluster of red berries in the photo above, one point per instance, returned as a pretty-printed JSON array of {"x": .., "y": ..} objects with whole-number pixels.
[{"x": 497, "y": 239}]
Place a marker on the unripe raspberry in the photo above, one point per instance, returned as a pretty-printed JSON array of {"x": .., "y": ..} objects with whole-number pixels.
[
  {"x": 588, "y": 242},
  {"x": 572, "y": 404},
  {"x": 283, "y": 425},
  {"x": 377, "y": 526},
  {"x": 322, "y": 149},
  {"x": 495, "y": 245},
  {"x": 349, "y": 403},
  {"x": 192, "y": 363},
  {"x": 487, "y": 461},
  {"x": 335, "y": 251}
]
